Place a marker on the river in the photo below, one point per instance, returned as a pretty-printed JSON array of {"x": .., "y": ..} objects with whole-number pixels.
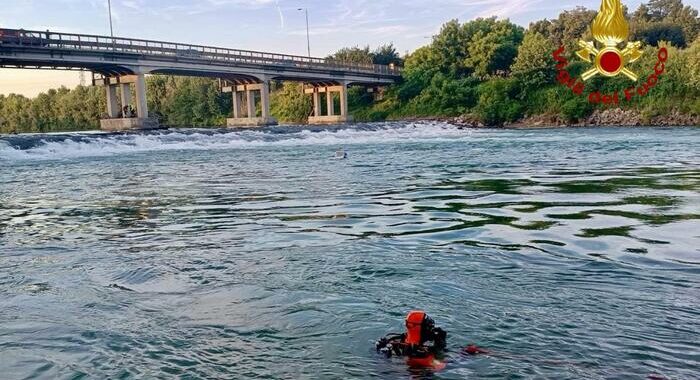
[{"x": 569, "y": 253}]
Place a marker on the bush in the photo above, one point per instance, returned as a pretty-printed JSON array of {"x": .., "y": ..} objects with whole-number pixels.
[
  {"x": 290, "y": 104},
  {"x": 655, "y": 33},
  {"x": 575, "y": 109},
  {"x": 497, "y": 102}
]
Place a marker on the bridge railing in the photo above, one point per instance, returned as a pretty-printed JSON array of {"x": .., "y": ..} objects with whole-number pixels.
[{"x": 84, "y": 42}]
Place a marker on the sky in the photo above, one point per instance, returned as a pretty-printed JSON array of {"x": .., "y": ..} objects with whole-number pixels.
[{"x": 263, "y": 25}]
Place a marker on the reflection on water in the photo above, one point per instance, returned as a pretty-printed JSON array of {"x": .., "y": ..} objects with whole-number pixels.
[{"x": 237, "y": 254}]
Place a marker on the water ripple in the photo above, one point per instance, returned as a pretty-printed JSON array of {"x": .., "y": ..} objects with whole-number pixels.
[{"x": 252, "y": 254}]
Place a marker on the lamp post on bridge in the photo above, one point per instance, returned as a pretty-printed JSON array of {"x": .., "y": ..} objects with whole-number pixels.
[
  {"x": 109, "y": 9},
  {"x": 111, "y": 28},
  {"x": 308, "y": 39}
]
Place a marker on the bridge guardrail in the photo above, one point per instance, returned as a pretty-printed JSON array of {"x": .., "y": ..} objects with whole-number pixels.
[{"x": 82, "y": 42}]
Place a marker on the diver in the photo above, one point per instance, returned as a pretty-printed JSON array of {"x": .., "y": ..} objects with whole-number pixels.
[
  {"x": 341, "y": 154},
  {"x": 425, "y": 347},
  {"x": 422, "y": 344}
]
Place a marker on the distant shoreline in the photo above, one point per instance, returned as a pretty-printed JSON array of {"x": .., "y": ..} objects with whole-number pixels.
[{"x": 613, "y": 117}]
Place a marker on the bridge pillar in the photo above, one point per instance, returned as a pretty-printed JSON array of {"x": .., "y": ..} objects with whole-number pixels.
[
  {"x": 317, "y": 102},
  {"x": 141, "y": 104},
  {"x": 251, "y": 119},
  {"x": 126, "y": 97},
  {"x": 330, "y": 104},
  {"x": 344, "y": 100},
  {"x": 265, "y": 99},
  {"x": 250, "y": 102},
  {"x": 237, "y": 100},
  {"x": 116, "y": 123},
  {"x": 331, "y": 117},
  {"x": 112, "y": 107}
]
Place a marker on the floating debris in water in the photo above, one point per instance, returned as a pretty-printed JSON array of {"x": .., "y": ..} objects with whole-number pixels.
[
  {"x": 341, "y": 154},
  {"x": 119, "y": 287},
  {"x": 38, "y": 287}
]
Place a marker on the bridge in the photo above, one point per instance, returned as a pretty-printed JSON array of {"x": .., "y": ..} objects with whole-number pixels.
[{"x": 118, "y": 63}]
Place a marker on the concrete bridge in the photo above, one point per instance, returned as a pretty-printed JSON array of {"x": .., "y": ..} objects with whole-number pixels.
[{"x": 119, "y": 63}]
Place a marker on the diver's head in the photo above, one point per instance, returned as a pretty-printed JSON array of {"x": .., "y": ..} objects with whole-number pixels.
[{"x": 419, "y": 327}]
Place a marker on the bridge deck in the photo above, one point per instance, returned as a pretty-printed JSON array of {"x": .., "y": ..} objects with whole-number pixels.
[{"x": 55, "y": 41}]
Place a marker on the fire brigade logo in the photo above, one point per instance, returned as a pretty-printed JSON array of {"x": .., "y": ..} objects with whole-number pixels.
[{"x": 610, "y": 29}]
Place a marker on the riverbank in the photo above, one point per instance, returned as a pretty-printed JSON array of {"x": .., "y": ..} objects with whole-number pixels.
[{"x": 599, "y": 118}]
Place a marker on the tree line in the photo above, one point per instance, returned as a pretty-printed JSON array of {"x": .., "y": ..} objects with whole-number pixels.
[
  {"x": 489, "y": 69},
  {"x": 496, "y": 72}
]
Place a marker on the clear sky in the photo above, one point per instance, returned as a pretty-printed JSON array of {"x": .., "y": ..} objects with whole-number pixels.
[{"x": 267, "y": 25}]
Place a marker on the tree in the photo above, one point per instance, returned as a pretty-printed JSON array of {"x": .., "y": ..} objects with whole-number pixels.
[
  {"x": 289, "y": 104},
  {"x": 542, "y": 27},
  {"x": 692, "y": 63},
  {"x": 353, "y": 55},
  {"x": 187, "y": 101},
  {"x": 670, "y": 13},
  {"x": 386, "y": 55},
  {"x": 493, "y": 47},
  {"x": 653, "y": 33},
  {"x": 16, "y": 114},
  {"x": 533, "y": 66},
  {"x": 419, "y": 69},
  {"x": 497, "y": 102},
  {"x": 449, "y": 49},
  {"x": 572, "y": 26},
  {"x": 42, "y": 111},
  {"x": 641, "y": 15},
  {"x": 659, "y": 10}
]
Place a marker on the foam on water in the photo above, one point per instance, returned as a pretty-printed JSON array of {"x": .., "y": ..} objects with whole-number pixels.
[{"x": 95, "y": 145}]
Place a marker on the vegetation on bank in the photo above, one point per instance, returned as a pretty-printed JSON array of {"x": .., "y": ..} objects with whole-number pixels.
[
  {"x": 497, "y": 72},
  {"x": 491, "y": 70}
]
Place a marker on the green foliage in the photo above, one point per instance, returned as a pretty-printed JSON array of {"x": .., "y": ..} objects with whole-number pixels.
[
  {"x": 187, "y": 101},
  {"x": 383, "y": 55},
  {"x": 449, "y": 49},
  {"x": 464, "y": 70},
  {"x": 54, "y": 111},
  {"x": 497, "y": 102},
  {"x": 353, "y": 55},
  {"x": 290, "y": 105},
  {"x": 386, "y": 55},
  {"x": 670, "y": 12},
  {"x": 652, "y": 34},
  {"x": 177, "y": 101},
  {"x": 418, "y": 72},
  {"x": 575, "y": 109},
  {"x": 493, "y": 47},
  {"x": 568, "y": 28},
  {"x": 533, "y": 65},
  {"x": 691, "y": 61},
  {"x": 445, "y": 96}
]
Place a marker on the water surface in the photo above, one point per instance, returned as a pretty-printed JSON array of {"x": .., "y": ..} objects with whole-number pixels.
[{"x": 571, "y": 253}]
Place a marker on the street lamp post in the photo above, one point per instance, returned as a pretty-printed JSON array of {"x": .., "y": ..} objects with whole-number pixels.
[
  {"x": 308, "y": 39},
  {"x": 111, "y": 29},
  {"x": 109, "y": 8}
]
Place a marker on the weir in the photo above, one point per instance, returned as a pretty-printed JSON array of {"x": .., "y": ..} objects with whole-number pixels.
[{"x": 118, "y": 63}]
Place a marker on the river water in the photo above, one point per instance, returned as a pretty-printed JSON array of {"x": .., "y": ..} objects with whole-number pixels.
[{"x": 569, "y": 253}]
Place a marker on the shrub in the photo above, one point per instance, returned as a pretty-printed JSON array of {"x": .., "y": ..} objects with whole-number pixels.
[
  {"x": 575, "y": 109},
  {"x": 497, "y": 102}
]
